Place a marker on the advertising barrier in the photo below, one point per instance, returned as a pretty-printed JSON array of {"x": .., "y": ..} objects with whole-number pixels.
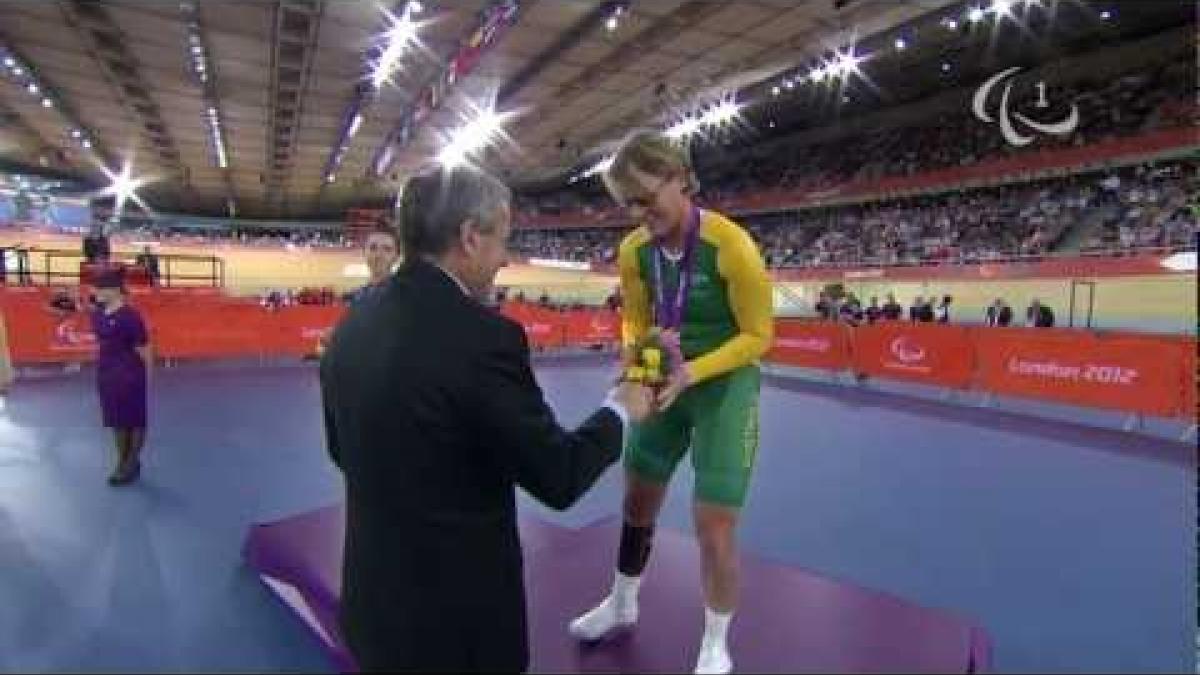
[
  {"x": 1137, "y": 373},
  {"x": 925, "y": 353}
]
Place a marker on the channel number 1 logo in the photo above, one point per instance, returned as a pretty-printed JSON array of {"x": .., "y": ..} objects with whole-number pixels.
[{"x": 1006, "y": 116}]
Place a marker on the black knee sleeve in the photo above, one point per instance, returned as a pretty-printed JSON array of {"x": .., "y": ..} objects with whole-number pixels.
[{"x": 635, "y": 549}]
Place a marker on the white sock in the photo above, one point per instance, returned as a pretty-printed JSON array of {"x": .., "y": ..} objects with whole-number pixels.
[
  {"x": 714, "y": 656},
  {"x": 716, "y": 628},
  {"x": 625, "y": 591}
]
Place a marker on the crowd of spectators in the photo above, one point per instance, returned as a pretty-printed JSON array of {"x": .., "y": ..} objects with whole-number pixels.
[
  {"x": 1137, "y": 102},
  {"x": 1145, "y": 206}
]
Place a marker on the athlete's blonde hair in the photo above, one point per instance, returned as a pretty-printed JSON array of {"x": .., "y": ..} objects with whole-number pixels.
[{"x": 650, "y": 152}]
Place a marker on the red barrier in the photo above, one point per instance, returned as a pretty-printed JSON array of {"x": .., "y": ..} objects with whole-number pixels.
[
  {"x": 545, "y": 328},
  {"x": 926, "y": 353},
  {"x": 810, "y": 344},
  {"x": 1131, "y": 374},
  {"x": 1188, "y": 407},
  {"x": 1148, "y": 374},
  {"x": 592, "y": 327}
]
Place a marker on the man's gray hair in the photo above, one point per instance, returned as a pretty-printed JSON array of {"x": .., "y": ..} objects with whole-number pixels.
[{"x": 435, "y": 204}]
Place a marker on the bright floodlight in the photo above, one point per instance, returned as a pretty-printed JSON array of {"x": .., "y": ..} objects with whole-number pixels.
[
  {"x": 684, "y": 127},
  {"x": 845, "y": 63},
  {"x": 402, "y": 32},
  {"x": 1002, "y": 7},
  {"x": 721, "y": 113},
  {"x": 598, "y": 167},
  {"x": 817, "y": 74},
  {"x": 901, "y": 44},
  {"x": 471, "y": 137},
  {"x": 975, "y": 15},
  {"x": 123, "y": 187}
]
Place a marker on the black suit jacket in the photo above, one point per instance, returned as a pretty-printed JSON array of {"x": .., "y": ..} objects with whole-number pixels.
[{"x": 433, "y": 415}]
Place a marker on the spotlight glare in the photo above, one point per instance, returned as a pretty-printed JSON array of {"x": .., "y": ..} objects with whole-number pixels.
[
  {"x": 402, "y": 32},
  {"x": 473, "y": 136},
  {"x": 1002, "y": 7},
  {"x": 975, "y": 15}
]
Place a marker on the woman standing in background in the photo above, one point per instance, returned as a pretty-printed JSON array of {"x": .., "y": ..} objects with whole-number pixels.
[{"x": 122, "y": 366}]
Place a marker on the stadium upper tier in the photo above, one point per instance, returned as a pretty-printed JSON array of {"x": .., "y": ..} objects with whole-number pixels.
[{"x": 1145, "y": 112}]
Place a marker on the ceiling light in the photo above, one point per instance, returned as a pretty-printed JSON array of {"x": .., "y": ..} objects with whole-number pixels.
[
  {"x": 402, "y": 31},
  {"x": 611, "y": 23},
  {"x": 1106, "y": 15},
  {"x": 471, "y": 137},
  {"x": 415, "y": 7},
  {"x": 975, "y": 15},
  {"x": 1002, "y": 7},
  {"x": 18, "y": 71},
  {"x": 32, "y": 88},
  {"x": 901, "y": 44},
  {"x": 10, "y": 61},
  {"x": 47, "y": 103},
  {"x": 775, "y": 90}
]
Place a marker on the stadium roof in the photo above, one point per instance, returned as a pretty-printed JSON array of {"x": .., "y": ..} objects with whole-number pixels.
[{"x": 300, "y": 108}]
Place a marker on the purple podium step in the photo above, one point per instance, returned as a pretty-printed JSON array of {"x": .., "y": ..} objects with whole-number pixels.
[{"x": 789, "y": 621}]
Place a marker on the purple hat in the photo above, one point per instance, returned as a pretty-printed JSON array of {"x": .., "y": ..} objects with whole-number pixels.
[{"x": 112, "y": 277}]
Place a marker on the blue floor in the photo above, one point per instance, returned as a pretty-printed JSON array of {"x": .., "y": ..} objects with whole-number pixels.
[{"x": 1074, "y": 547}]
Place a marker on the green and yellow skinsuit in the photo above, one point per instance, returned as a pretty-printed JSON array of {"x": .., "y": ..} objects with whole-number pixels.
[{"x": 727, "y": 325}]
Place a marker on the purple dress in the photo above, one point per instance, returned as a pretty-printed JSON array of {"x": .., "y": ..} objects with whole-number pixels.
[{"x": 120, "y": 371}]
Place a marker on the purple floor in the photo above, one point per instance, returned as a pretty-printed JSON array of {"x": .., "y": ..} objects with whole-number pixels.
[
  {"x": 789, "y": 620},
  {"x": 1072, "y": 546}
]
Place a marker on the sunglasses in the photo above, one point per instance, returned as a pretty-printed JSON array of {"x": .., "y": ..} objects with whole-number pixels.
[{"x": 645, "y": 200}]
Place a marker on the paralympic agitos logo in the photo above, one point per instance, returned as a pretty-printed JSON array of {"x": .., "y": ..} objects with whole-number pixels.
[{"x": 1006, "y": 115}]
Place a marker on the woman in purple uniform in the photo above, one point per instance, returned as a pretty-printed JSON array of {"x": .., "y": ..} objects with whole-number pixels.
[{"x": 122, "y": 365}]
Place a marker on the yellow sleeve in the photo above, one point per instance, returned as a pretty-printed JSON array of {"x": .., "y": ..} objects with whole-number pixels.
[
  {"x": 751, "y": 298},
  {"x": 635, "y": 298}
]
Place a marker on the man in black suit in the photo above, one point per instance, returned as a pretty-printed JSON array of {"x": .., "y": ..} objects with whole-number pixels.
[{"x": 433, "y": 415}]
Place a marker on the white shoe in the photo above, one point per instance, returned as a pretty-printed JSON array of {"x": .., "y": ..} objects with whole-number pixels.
[
  {"x": 602, "y": 620},
  {"x": 713, "y": 661}
]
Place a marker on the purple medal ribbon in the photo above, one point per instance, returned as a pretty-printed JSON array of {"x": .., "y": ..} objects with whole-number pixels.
[{"x": 668, "y": 312}]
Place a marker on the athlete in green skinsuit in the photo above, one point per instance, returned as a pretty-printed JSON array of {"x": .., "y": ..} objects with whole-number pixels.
[{"x": 699, "y": 276}]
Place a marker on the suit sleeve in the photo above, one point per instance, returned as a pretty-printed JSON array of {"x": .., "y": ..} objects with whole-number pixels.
[
  {"x": 554, "y": 465},
  {"x": 750, "y": 298},
  {"x": 331, "y": 442}
]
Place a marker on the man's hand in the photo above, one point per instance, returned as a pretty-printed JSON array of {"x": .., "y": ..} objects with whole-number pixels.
[
  {"x": 676, "y": 383},
  {"x": 637, "y": 399}
]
